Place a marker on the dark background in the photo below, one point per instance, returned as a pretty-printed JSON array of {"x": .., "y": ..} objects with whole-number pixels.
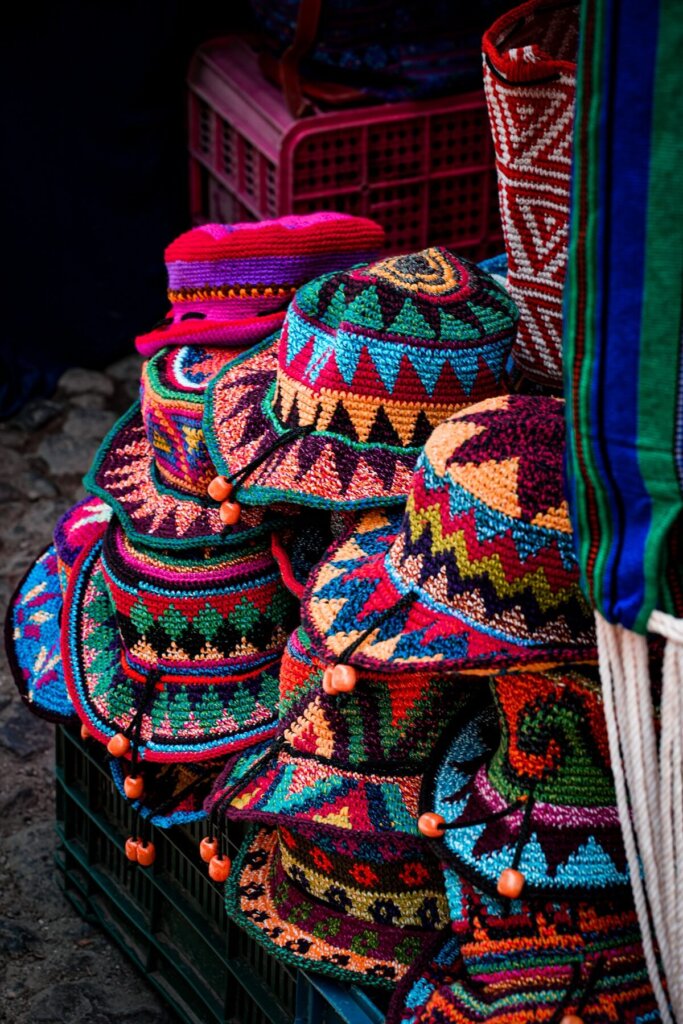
[{"x": 93, "y": 176}]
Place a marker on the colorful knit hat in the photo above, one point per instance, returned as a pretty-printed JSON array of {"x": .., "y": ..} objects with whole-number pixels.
[
  {"x": 515, "y": 963},
  {"x": 368, "y": 362},
  {"x": 229, "y": 284},
  {"x": 173, "y": 794},
  {"x": 347, "y": 761},
  {"x": 32, "y": 625},
  {"x": 539, "y": 816},
  {"x": 530, "y": 82},
  {"x": 153, "y": 467},
  {"x": 480, "y": 573},
  {"x": 358, "y": 909},
  {"x": 176, "y": 658}
]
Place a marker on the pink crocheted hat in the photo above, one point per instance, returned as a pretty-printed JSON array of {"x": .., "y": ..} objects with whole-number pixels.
[{"x": 229, "y": 284}]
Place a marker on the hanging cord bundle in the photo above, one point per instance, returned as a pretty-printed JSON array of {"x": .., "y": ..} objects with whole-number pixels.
[
  {"x": 129, "y": 738},
  {"x": 139, "y": 847},
  {"x": 212, "y": 846},
  {"x": 342, "y": 677},
  {"x": 648, "y": 780},
  {"x": 224, "y": 488}
]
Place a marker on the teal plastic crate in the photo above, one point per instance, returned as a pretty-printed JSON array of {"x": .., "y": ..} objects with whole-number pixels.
[{"x": 170, "y": 918}]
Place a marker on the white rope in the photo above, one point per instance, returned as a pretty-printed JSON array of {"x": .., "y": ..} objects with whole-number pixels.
[{"x": 612, "y": 675}]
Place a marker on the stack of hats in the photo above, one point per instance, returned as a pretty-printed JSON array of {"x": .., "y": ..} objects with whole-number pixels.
[
  {"x": 326, "y": 589},
  {"x": 150, "y": 620}
]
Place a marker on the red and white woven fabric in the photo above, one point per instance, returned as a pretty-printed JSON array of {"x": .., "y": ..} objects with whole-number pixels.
[{"x": 530, "y": 82}]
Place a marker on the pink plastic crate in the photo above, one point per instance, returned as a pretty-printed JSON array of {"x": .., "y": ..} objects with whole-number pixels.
[{"x": 425, "y": 170}]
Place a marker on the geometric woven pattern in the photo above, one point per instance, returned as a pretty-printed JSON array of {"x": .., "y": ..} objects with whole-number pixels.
[
  {"x": 530, "y": 962},
  {"x": 371, "y": 360},
  {"x": 356, "y": 911},
  {"x": 480, "y": 571},
  {"x": 33, "y": 622},
  {"x": 213, "y": 633},
  {"x": 553, "y": 741},
  {"x": 530, "y": 80},
  {"x": 124, "y": 474},
  {"x": 229, "y": 284},
  {"x": 349, "y": 762},
  {"x": 172, "y": 405},
  {"x": 32, "y": 640}
]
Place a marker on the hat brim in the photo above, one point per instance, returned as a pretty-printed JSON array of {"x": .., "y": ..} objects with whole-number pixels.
[
  {"x": 306, "y": 933},
  {"x": 236, "y": 333},
  {"x": 527, "y": 972},
  {"x": 180, "y": 788},
  {"x": 571, "y": 852},
  {"x": 356, "y": 584},
  {"x": 321, "y": 468},
  {"x": 32, "y": 641},
  {"x": 220, "y": 717},
  {"x": 307, "y": 793},
  {"x": 124, "y": 475}
]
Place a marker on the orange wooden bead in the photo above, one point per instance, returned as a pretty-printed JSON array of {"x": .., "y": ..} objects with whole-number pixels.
[
  {"x": 344, "y": 678},
  {"x": 431, "y": 824},
  {"x": 510, "y": 883},
  {"x": 132, "y": 848},
  {"x": 133, "y": 786},
  {"x": 230, "y": 512},
  {"x": 328, "y": 686},
  {"x": 219, "y": 868},
  {"x": 208, "y": 848},
  {"x": 146, "y": 854},
  {"x": 85, "y": 732},
  {"x": 219, "y": 489},
  {"x": 571, "y": 1018},
  {"x": 118, "y": 745}
]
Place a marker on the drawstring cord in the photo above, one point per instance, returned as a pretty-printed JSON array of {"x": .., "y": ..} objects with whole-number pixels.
[
  {"x": 224, "y": 488},
  {"x": 342, "y": 677},
  {"x": 596, "y": 973},
  {"x": 237, "y": 479},
  {"x": 135, "y": 726}
]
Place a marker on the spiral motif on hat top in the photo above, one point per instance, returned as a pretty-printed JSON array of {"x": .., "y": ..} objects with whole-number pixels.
[{"x": 429, "y": 272}]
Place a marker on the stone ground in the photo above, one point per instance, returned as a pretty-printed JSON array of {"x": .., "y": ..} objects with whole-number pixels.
[{"x": 54, "y": 968}]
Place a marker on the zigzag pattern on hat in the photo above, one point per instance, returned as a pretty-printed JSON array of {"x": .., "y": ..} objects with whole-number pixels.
[
  {"x": 123, "y": 475},
  {"x": 494, "y": 581},
  {"x": 180, "y": 716},
  {"x": 358, "y": 357},
  {"x": 313, "y": 463}
]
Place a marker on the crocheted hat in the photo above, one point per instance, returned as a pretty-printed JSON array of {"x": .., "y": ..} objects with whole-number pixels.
[
  {"x": 517, "y": 963},
  {"x": 541, "y": 813},
  {"x": 480, "y": 573},
  {"x": 368, "y": 362},
  {"x": 173, "y": 794},
  {"x": 229, "y": 284},
  {"x": 358, "y": 909},
  {"x": 153, "y": 466},
  {"x": 346, "y": 761},
  {"x": 32, "y": 624},
  {"x": 177, "y": 658}
]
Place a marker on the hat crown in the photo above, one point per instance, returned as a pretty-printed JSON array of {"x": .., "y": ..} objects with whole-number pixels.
[
  {"x": 554, "y": 738},
  {"x": 382, "y": 353},
  {"x": 172, "y": 394},
  {"x": 208, "y": 612},
  {"x": 486, "y": 535}
]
